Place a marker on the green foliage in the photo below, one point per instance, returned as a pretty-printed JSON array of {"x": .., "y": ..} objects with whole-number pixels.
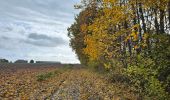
[
  {"x": 66, "y": 67},
  {"x": 155, "y": 89},
  {"x": 45, "y": 76},
  {"x": 95, "y": 66},
  {"x": 145, "y": 72},
  {"x": 161, "y": 55}
]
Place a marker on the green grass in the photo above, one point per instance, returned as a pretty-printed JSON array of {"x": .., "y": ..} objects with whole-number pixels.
[{"x": 45, "y": 76}]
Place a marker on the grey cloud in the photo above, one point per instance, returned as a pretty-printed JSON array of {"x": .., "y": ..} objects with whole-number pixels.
[
  {"x": 44, "y": 40},
  {"x": 5, "y": 28},
  {"x": 21, "y": 21},
  {"x": 10, "y": 43},
  {"x": 33, "y": 9},
  {"x": 4, "y": 38},
  {"x": 38, "y": 36},
  {"x": 8, "y": 29}
]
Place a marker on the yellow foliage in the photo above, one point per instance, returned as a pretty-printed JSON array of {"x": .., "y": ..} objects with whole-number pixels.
[
  {"x": 92, "y": 48},
  {"x": 110, "y": 1},
  {"x": 145, "y": 36},
  {"x": 107, "y": 65},
  {"x": 133, "y": 34},
  {"x": 84, "y": 28},
  {"x": 102, "y": 39},
  {"x": 135, "y": 37},
  {"x": 127, "y": 38},
  {"x": 136, "y": 26},
  {"x": 136, "y": 47}
]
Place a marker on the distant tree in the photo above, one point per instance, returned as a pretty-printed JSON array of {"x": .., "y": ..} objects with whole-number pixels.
[
  {"x": 21, "y": 61},
  {"x": 4, "y": 61},
  {"x": 31, "y": 61}
]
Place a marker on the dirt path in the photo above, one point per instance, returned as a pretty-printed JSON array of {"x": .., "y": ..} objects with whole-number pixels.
[
  {"x": 70, "y": 84},
  {"x": 82, "y": 84}
]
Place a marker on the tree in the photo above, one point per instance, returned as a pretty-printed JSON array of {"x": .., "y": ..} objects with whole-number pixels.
[
  {"x": 4, "y": 61},
  {"x": 78, "y": 30},
  {"x": 32, "y": 61}
]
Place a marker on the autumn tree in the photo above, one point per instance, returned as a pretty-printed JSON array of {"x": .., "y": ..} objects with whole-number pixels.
[
  {"x": 78, "y": 30},
  {"x": 127, "y": 36}
]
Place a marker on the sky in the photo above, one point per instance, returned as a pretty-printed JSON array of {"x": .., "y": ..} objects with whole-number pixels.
[{"x": 36, "y": 29}]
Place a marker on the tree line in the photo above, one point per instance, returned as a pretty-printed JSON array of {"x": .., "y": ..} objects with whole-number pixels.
[{"x": 126, "y": 37}]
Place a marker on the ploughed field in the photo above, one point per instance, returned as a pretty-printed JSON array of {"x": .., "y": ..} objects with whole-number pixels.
[{"x": 56, "y": 82}]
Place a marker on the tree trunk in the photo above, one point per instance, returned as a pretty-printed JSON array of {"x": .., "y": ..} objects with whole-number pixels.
[
  {"x": 156, "y": 22},
  {"x": 142, "y": 18},
  {"x": 169, "y": 12},
  {"x": 162, "y": 13},
  {"x": 138, "y": 19}
]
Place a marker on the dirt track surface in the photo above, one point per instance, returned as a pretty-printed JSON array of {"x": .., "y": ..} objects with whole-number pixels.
[{"x": 77, "y": 83}]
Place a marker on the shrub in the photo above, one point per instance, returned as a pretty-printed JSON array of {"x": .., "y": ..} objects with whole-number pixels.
[
  {"x": 144, "y": 77},
  {"x": 44, "y": 76}
]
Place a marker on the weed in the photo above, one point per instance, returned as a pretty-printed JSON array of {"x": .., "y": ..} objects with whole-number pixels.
[{"x": 44, "y": 76}]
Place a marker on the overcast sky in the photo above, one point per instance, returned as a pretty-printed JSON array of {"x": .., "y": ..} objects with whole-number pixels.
[{"x": 36, "y": 29}]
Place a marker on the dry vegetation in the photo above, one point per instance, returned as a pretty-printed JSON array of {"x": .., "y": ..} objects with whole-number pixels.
[{"x": 64, "y": 83}]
